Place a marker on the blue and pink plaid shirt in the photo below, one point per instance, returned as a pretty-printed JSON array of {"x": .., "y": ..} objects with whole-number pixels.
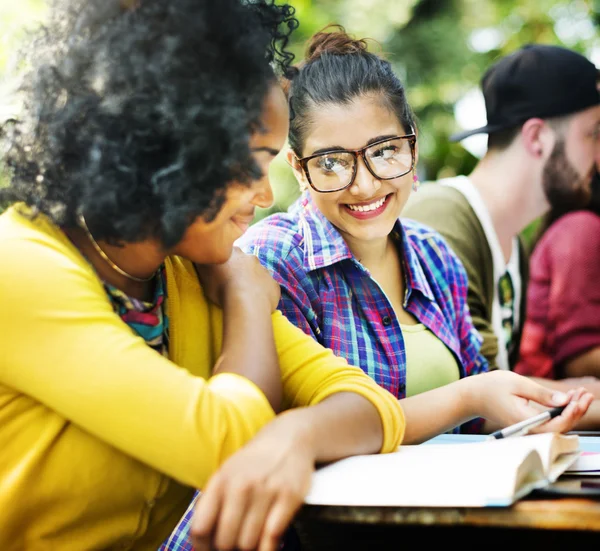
[{"x": 326, "y": 292}]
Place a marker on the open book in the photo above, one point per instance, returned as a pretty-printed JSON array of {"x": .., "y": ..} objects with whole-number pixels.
[{"x": 478, "y": 474}]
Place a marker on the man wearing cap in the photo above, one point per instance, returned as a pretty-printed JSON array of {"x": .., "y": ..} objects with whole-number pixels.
[{"x": 543, "y": 112}]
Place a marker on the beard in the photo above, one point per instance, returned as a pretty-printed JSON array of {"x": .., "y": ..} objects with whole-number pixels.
[{"x": 565, "y": 189}]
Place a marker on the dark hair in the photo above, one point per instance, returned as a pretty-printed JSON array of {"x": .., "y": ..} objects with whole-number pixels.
[
  {"x": 557, "y": 212},
  {"x": 138, "y": 112},
  {"x": 338, "y": 69},
  {"x": 502, "y": 139}
]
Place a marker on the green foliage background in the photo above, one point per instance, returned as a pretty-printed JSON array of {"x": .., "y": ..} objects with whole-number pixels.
[
  {"x": 15, "y": 18},
  {"x": 429, "y": 42}
]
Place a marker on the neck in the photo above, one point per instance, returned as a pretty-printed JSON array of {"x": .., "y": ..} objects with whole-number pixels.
[
  {"x": 371, "y": 254},
  {"x": 140, "y": 260},
  {"x": 514, "y": 199}
]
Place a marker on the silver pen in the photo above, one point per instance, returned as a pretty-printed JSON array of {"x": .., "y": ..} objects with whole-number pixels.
[{"x": 523, "y": 427}]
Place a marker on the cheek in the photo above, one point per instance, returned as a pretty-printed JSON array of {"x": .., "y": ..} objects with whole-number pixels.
[{"x": 328, "y": 203}]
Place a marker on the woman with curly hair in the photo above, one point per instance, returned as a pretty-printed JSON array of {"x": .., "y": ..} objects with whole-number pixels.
[{"x": 139, "y": 354}]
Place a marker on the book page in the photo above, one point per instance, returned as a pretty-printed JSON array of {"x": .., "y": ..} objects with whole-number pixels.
[
  {"x": 550, "y": 446},
  {"x": 447, "y": 475}
]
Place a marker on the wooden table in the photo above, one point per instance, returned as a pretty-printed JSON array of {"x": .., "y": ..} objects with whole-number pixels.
[{"x": 545, "y": 523}]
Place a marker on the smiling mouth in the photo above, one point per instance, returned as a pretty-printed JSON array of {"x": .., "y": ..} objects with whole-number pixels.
[
  {"x": 371, "y": 206},
  {"x": 368, "y": 210},
  {"x": 243, "y": 221}
]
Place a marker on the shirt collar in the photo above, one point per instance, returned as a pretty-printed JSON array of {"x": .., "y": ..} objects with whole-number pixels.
[
  {"x": 324, "y": 246},
  {"x": 416, "y": 280}
]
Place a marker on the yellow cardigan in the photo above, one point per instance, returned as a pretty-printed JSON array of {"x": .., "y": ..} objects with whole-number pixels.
[{"x": 101, "y": 438}]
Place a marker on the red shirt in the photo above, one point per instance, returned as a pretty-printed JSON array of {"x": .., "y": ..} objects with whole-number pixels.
[{"x": 563, "y": 297}]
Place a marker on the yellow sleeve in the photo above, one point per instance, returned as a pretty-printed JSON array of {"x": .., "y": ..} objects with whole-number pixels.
[
  {"x": 63, "y": 346},
  {"x": 311, "y": 373}
]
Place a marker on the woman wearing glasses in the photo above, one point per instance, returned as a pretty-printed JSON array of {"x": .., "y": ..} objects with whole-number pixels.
[{"x": 386, "y": 294}]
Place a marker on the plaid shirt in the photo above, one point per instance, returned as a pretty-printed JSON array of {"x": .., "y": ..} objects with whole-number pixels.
[{"x": 326, "y": 292}]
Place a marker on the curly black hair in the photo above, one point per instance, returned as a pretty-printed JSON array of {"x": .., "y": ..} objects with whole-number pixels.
[{"x": 138, "y": 113}]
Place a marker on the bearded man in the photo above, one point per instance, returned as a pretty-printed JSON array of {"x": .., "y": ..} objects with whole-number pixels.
[{"x": 543, "y": 112}]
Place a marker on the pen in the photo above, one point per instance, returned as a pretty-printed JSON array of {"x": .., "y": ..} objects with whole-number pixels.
[{"x": 523, "y": 427}]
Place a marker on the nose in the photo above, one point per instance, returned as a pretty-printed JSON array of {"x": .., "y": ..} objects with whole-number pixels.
[
  {"x": 263, "y": 197},
  {"x": 365, "y": 184}
]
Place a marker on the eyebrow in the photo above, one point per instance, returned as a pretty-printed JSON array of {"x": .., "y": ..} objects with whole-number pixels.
[
  {"x": 269, "y": 150},
  {"x": 340, "y": 148}
]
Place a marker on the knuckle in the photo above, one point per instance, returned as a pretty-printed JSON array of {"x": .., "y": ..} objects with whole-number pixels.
[{"x": 245, "y": 487}]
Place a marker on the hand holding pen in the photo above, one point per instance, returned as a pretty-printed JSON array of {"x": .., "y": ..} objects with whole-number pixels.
[
  {"x": 524, "y": 427},
  {"x": 557, "y": 419},
  {"x": 504, "y": 398}
]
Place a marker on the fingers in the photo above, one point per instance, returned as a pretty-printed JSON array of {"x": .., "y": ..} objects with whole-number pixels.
[
  {"x": 232, "y": 516},
  {"x": 279, "y": 519},
  {"x": 540, "y": 394},
  {"x": 581, "y": 400},
  {"x": 205, "y": 517},
  {"x": 244, "y": 523},
  {"x": 252, "y": 528}
]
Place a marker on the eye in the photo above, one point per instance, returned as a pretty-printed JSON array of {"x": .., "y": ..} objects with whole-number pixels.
[
  {"x": 385, "y": 152},
  {"x": 332, "y": 163}
]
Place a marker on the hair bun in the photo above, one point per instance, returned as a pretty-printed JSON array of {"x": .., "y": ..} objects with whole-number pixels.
[{"x": 335, "y": 42}]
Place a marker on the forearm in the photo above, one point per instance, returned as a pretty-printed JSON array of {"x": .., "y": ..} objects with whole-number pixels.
[
  {"x": 342, "y": 425},
  {"x": 585, "y": 364},
  {"x": 437, "y": 411},
  {"x": 249, "y": 346}
]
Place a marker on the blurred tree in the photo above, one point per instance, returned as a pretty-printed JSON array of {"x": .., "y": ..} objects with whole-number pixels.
[
  {"x": 15, "y": 18},
  {"x": 440, "y": 49}
]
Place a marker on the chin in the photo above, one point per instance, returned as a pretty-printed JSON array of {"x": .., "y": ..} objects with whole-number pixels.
[{"x": 213, "y": 257}]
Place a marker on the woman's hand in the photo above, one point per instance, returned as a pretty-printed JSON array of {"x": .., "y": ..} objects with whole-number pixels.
[
  {"x": 251, "y": 500},
  {"x": 242, "y": 273},
  {"x": 503, "y": 398}
]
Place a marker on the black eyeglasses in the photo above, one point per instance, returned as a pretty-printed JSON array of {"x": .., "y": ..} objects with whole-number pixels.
[{"x": 385, "y": 159}]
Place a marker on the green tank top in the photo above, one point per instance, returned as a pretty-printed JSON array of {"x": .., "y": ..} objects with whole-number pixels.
[{"x": 429, "y": 362}]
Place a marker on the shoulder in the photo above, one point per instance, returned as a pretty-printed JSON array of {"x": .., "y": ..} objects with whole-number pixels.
[
  {"x": 423, "y": 237},
  {"x": 278, "y": 243},
  {"x": 39, "y": 265},
  {"x": 438, "y": 195},
  {"x": 579, "y": 224},
  {"x": 432, "y": 248},
  {"x": 576, "y": 233},
  {"x": 35, "y": 242},
  {"x": 442, "y": 207}
]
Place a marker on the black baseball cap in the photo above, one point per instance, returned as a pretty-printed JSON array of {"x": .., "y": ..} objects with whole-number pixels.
[{"x": 538, "y": 80}]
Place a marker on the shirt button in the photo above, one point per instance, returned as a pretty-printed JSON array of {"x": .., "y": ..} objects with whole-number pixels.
[
  {"x": 386, "y": 320},
  {"x": 150, "y": 503}
]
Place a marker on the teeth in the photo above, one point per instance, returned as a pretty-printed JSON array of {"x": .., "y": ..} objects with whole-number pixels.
[{"x": 366, "y": 208}]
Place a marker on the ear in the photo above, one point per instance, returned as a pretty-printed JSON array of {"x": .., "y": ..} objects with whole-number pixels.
[
  {"x": 292, "y": 160},
  {"x": 538, "y": 138}
]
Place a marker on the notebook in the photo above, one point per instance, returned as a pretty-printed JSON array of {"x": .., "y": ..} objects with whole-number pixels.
[
  {"x": 587, "y": 464},
  {"x": 490, "y": 473}
]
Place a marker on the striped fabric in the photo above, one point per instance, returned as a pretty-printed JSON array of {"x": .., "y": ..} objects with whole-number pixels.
[
  {"x": 179, "y": 540},
  {"x": 146, "y": 319},
  {"x": 332, "y": 297}
]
